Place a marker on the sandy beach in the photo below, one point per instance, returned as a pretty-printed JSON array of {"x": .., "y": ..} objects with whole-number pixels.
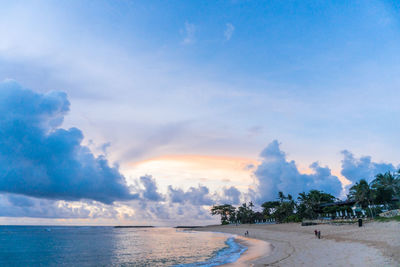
[
  {"x": 256, "y": 249},
  {"x": 374, "y": 244}
]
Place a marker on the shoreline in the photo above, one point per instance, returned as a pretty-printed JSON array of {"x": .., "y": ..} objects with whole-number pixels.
[
  {"x": 256, "y": 249},
  {"x": 374, "y": 244}
]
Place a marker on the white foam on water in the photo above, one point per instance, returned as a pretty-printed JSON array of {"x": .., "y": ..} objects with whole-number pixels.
[{"x": 228, "y": 254}]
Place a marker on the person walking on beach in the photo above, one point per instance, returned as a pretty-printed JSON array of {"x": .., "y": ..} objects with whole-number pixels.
[
  {"x": 316, "y": 232},
  {"x": 319, "y": 234}
]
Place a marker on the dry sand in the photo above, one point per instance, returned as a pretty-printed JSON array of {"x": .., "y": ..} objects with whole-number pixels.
[{"x": 374, "y": 244}]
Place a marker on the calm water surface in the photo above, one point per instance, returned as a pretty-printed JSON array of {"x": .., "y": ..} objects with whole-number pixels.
[{"x": 108, "y": 246}]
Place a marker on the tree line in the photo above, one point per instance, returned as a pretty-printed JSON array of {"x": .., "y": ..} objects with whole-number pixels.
[{"x": 384, "y": 191}]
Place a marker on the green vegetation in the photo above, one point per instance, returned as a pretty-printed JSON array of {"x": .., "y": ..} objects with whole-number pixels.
[
  {"x": 227, "y": 213},
  {"x": 383, "y": 219},
  {"x": 361, "y": 193},
  {"x": 384, "y": 190},
  {"x": 286, "y": 209},
  {"x": 381, "y": 191},
  {"x": 308, "y": 204},
  {"x": 385, "y": 187}
]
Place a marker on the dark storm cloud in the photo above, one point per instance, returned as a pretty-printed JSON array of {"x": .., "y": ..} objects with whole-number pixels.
[{"x": 37, "y": 158}]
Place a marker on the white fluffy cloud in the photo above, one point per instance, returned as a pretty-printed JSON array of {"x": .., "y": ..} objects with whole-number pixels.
[
  {"x": 276, "y": 173},
  {"x": 355, "y": 169},
  {"x": 195, "y": 196}
]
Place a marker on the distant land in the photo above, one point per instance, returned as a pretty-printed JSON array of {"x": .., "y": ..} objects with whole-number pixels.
[
  {"x": 134, "y": 226},
  {"x": 182, "y": 226}
]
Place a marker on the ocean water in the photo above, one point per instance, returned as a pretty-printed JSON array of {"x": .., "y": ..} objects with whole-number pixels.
[{"x": 108, "y": 246}]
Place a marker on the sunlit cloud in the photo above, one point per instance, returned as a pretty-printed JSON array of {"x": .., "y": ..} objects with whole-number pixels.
[
  {"x": 190, "y": 101},
  {"x": 190, "y": 170}
]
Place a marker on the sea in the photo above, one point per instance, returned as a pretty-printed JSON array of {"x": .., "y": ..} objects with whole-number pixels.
[{"x": 109, "y": 246}]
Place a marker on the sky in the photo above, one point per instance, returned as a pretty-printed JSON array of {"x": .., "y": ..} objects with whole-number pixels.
[{"x": 148, "y": 112}]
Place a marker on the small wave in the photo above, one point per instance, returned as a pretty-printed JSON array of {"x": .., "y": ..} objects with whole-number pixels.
[{"x": 228, "y": 254}]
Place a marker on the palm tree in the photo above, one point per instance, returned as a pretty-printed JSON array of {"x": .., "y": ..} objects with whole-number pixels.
[
  {"x": 387, "y": 181},
  {"x": 251, "y": 205},
  {"x": 361, "y": 193},
  {"x": 269, "y": 207},
  {"x": 386, "y": 186},
  {"x": 397, "y": 183},
  {"x": 281, "y": 196},
  {"x": 245, "y": 214},
  {"x": 309, "y": 203}
]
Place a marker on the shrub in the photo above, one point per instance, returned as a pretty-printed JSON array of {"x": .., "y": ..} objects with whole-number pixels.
[{"x": 293, "y": 218}]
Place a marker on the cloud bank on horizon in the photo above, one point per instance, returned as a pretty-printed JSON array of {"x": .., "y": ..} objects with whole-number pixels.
[
  {"x": 42, "y": 164},
  {"x": 45, "y": 171},
  {"x": 221, "y": 80}
]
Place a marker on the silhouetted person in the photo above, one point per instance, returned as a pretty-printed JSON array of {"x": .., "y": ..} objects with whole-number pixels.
[
  {"x": 316, "y": 232},
  {"x": 319, "y": 234}
]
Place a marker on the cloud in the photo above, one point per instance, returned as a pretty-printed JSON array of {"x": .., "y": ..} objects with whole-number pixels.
[
  {"x": 195, "y": 196},
  {"x": 12, "y": 205},
  {"x": 190, "y": 31},
  {"x": 229, "y": 31},
  {"x": 150, "y": 189},
  {"x": 20, "y": 201},
  {"x": 158, "y": 138},
  {"x": 37, "y": 158},
  {"x": 159, "y": 213},
  {"x": 230, "y": 195},
  {"x": 168, "y": 213},
  {"x": 276, "y": 173},
  {"x": 362, "y": 168}
]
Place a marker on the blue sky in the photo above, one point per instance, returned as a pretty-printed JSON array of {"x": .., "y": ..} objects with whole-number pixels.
[{"x": 191, "y": 92}]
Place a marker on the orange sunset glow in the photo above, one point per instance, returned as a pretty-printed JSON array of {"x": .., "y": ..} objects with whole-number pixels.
[{"x": 190, "y": 170}]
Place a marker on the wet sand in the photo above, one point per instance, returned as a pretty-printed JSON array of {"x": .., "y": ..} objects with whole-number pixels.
[
  {"x": 256, "y": 249},
  {"x": 374, "y": 244}
]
